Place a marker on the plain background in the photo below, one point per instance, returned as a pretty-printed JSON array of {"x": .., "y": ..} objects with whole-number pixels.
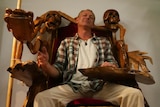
[{"x": 139, "y": 17}]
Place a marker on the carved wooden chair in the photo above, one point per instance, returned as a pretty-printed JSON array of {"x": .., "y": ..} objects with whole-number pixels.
[{"x": 40, "y": 82}]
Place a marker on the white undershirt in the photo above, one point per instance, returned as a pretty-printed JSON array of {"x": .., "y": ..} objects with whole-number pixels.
[{"x": 86, "y": 59}]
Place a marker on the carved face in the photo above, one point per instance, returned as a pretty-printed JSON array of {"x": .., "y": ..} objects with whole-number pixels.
[
  {"x": 111, "y": 18},
  {"x": 52, "y": 20}
]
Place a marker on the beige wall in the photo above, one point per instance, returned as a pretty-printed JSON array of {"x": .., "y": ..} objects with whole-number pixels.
[{"x": 139, "y": 17}]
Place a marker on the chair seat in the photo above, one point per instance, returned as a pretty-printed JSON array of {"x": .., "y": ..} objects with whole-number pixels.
[{"x": 89, "y": 102}]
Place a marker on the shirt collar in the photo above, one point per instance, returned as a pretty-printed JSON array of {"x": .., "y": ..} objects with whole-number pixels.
[{"x": 76, "y": 37}]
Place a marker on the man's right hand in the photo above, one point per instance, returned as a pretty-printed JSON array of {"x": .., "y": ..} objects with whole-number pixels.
[
  {"x": 43, "y": 63},
  {"x": 42, "y": 58}
]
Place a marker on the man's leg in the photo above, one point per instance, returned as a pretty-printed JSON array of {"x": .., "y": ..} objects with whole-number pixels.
[
  {"x": 121, "y": 95},
  {"x": 55, "y": 97}
]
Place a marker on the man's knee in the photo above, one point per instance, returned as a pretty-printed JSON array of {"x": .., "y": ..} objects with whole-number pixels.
[{"x": 135, "y": 92}]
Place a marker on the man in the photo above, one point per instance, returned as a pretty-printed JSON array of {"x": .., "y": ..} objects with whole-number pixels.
[{"x": 84, "y": 50}]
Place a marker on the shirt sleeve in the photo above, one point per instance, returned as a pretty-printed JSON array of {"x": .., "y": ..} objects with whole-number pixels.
[
  {"x": 60, "y": 62},
  {"x": 109, "y": 57}
]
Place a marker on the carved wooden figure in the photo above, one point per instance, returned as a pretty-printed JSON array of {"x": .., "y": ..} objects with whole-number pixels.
[
  {"x": 25, "y": 30},
  {"x": 134, "y": 60},
  {"x": 48, "y": 24}
]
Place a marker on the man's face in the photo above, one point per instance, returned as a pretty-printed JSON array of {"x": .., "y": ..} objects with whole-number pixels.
[{"x": 86, "y": 18}]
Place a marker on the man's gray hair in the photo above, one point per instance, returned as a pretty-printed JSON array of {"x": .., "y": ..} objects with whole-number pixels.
[{"x": 87, "y": 10}]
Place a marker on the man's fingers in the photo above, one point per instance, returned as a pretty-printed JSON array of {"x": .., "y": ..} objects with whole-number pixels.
[
  {"x": 44, "y": 50},
  {"x": 107, "y": 64}
]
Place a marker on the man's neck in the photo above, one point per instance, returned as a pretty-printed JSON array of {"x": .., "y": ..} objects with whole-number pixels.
[{"x": 84, "y": 34}]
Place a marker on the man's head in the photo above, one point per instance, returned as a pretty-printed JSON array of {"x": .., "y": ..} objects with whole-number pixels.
[{"x": 86, "y": 18}]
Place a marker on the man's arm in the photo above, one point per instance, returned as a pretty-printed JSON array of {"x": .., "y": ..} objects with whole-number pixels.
[{"x": 46, "y": 67}]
